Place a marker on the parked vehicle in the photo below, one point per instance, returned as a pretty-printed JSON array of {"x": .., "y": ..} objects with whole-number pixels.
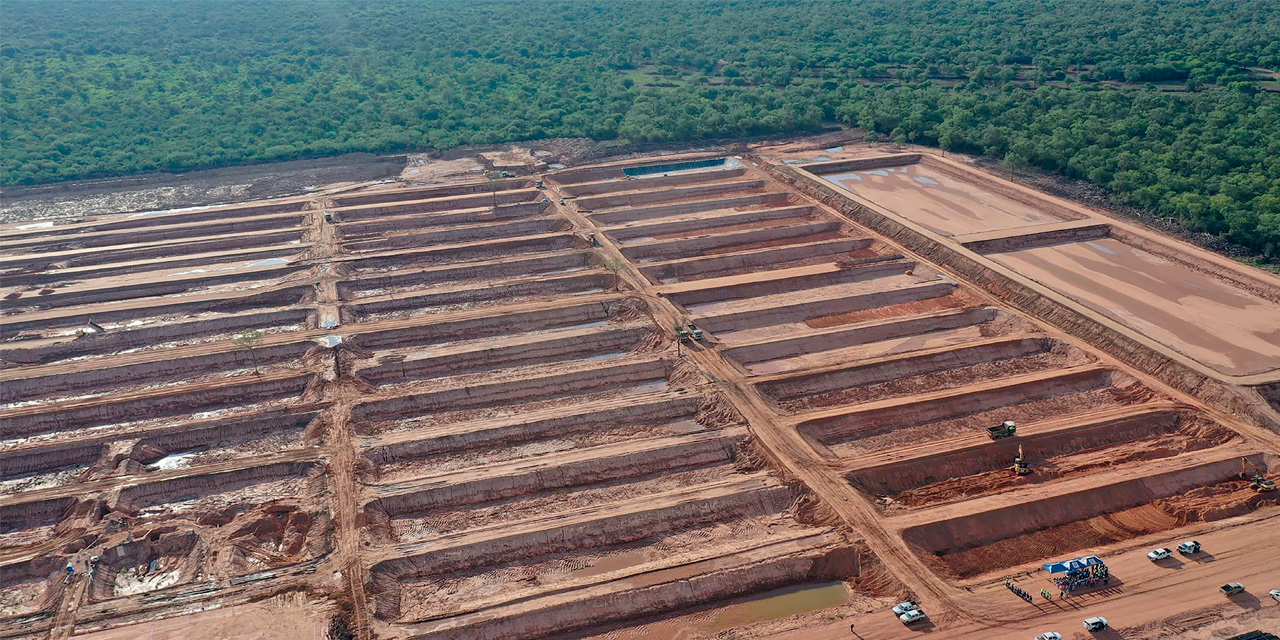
[
  {"x": 1096, "y": 623},
  {"x": 915, "y": 615},
  {"x": 1159, "y": 554},
  {"x": 1231, "y": 588},
  {"x": 905, "y": 607},
  {"x": 1189, "y": 547},
  {"x": 1005, "y": 430},
  {"x": 1275, "y": 594},
  {"x": 1049, "y": 635}
]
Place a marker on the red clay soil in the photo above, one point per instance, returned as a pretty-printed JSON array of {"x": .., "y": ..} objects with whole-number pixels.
[
  {"x": 780, "y": 242},
  {"x": 745, "y": 226},
  {"x": 1205, "y": 504},
  {"x": 1032, "y": 411},
  {"x": 846, "y": 260},
  {"x": 956, "y": 300},
  {"x": 1060, "y": 356},
  {"x": 1190, "y": 437},
  {"x": 414, "y": 526}
]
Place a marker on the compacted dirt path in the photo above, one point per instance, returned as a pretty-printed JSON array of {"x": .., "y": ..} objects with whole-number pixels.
[
  {"x": 341, "y": 391},
  {"x": 783, "y": 442}
]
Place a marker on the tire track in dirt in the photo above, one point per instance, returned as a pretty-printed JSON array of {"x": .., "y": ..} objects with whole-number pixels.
[{"x": 340, "y": 388}]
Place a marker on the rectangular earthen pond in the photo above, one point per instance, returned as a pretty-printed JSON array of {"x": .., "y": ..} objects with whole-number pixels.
[
  {"x": 942, "y": 203},
  {"x": 1234, "y": 331}
]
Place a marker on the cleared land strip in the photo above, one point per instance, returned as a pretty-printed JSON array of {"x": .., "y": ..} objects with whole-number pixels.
[
  {"x": 134, "y": 249},
  {"x": 531, "y": 424},
  {"x": 155, "y": 218},
  {"x": 511, "y": 444},
  {"x": 592, "y": 464},
  {"x": 1029, "y": 434},
  {"x": 250, "y": 255},
  {"x": 370, "y": 334},
  {"x": 177, "y": 234}
]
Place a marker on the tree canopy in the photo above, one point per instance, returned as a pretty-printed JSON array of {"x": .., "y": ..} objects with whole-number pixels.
[{"x": 1172, "y": 104}]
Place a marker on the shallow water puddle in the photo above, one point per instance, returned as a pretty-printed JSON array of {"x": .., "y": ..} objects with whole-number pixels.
[{"x": 770, "y": 605}]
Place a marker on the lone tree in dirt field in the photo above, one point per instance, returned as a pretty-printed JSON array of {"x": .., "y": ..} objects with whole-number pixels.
[{"x": 249, "y": 341}]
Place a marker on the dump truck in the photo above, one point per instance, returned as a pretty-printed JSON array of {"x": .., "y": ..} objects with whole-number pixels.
[
  {"x": 695, "y": 332},
  {"x": 1004, "y": 430}
]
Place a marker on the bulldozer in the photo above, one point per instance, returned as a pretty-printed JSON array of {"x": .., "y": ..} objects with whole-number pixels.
[
  {"x": 1020, "y": 464},
  {"x": 1261, "y": 483}
]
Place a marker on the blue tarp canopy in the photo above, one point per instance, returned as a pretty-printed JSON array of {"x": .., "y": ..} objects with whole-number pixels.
[{"x": 1071, "y": 565}]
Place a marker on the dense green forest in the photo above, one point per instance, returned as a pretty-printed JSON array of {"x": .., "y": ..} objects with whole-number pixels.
[{"x": 1171, "y": 104}]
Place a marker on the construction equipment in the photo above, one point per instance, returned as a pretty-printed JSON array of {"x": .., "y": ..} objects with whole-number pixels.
[
  {"x": 1261, "y": 483},
  {"x": 689, "y": 333},
  {"x": 1020, "y": 464},
  {"x": 695, "y": 332},
  {"x": 1004, "y": 430},
  {"x": 89, "y": 329}
]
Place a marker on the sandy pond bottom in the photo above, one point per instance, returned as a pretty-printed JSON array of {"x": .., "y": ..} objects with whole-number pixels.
[
  {"x": 1225, "y": 327},
  {"x": 944, "y": 204}
]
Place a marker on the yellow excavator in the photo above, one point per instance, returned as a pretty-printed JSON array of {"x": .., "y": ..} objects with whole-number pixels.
[
  {"x": 1260, "y": 482},
  {"x": 1020, "y": 464}
]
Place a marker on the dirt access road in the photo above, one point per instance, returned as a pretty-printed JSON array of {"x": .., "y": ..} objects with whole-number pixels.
[
  {"x": 783, "y": 442},
  {"x": 1138, "y": 608}
]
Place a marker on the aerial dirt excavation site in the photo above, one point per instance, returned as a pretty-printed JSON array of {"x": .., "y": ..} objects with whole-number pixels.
[{"x": 765, "y": 391}]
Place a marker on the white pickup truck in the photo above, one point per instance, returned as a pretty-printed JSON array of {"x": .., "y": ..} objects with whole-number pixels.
[{"x": 915, "y": 615}]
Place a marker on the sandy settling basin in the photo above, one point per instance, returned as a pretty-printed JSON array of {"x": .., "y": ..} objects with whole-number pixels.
[
  {"x": 941, "y": 203},
  {"x": 1229, "y": 329}
]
